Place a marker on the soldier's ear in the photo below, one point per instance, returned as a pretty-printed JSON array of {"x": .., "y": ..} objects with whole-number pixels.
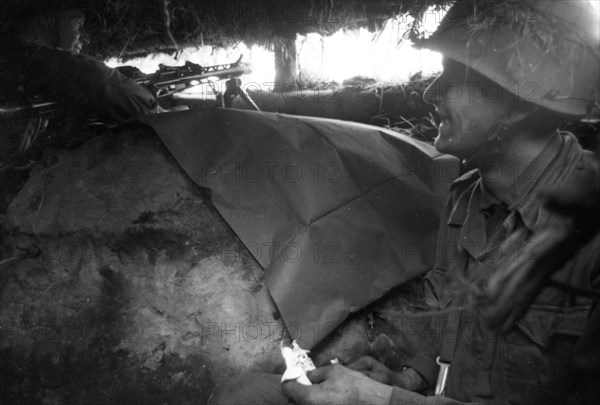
[{"x": 38, "y": 29}]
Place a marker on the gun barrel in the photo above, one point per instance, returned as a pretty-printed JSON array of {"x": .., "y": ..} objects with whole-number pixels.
[
  {"x": 205, "y": 76},
  {"x": 10, "y": 111}
]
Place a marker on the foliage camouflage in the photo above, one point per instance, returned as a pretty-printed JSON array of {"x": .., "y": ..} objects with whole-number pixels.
[{"x": 128, "y": 27}]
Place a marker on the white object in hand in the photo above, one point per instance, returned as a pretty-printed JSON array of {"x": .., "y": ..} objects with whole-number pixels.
[{"x": 297, "y": 363}]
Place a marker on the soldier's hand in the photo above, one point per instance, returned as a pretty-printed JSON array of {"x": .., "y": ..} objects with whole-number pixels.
[
  {"x": 373, "y": 369},
  {"x": 411, "y": 380},
  {"x": 408, "y": 378},
  {"x": 337, "y": 384}
]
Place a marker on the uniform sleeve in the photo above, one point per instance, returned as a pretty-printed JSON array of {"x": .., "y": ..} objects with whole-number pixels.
[
  {"x": 585, "y": 362},
  {"x": 88, "y": 84}
]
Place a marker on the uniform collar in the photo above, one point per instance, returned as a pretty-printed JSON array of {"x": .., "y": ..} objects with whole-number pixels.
[{"x": 521, "y": 196}]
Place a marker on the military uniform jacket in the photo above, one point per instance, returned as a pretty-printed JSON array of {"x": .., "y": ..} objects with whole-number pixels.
[{"x": 536, "y": 362}]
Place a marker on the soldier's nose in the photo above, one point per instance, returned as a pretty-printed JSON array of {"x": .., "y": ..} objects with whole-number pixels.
[
  {"x": 84, "y": 38},
  {"x": 431, "y": 94}
]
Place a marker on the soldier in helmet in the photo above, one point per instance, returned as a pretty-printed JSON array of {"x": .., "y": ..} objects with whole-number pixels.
[
  {"x": 513, "y": 72},
  {"x": 50, "y": 64}
]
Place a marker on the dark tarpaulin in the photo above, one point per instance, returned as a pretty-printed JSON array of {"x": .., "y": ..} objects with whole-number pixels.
[{"x": 337, "y": 213}]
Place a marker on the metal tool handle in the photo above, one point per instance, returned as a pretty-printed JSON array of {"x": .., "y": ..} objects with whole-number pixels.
[{"x": 440, "y": 385}]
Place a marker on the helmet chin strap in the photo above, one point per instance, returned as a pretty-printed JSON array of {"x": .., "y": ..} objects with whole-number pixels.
[{"x": 494, "y": 137}]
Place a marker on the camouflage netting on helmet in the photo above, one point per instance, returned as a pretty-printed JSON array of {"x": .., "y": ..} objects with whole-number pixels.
[
  {"x": 551, "y": 47},
  {"x": 549, "y": 32}
]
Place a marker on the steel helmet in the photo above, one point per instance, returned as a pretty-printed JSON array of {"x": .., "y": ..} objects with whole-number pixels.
[{"x": 545, "y": 52}]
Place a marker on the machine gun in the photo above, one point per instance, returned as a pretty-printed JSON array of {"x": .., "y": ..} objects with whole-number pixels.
[
  {"x": 164, "y": 83},
  {"x": 31, "y": 116},
  {"x": 168, "y": 80}
]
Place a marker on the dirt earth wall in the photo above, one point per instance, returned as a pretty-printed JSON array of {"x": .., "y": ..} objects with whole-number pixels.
[{"x": 120, "y": 283}]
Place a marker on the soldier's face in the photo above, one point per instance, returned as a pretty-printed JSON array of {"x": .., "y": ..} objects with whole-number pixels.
[
  {"x": 72, "y": 34},
  {"x": 469, "y": 105}
]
